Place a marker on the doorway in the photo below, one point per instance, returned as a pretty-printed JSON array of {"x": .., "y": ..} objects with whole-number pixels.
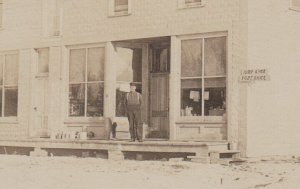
[
  {"x": 40, "y": 94},
  {"x": 145, "y": 62},
  {"x": 159, "y": 60}
]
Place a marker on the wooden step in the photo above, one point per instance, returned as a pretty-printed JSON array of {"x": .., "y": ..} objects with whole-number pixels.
[{"x": 224, "y": 157}]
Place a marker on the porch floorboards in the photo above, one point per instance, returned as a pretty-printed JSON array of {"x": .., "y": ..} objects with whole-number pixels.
[{"x": 202, "y": 148}]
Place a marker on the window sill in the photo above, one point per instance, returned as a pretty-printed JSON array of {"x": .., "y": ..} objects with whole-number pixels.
[
  {"x": 52, "y": 37},
  {"x": 120, "y": 14},
  {"x": 194, "y": 5},
  {"x": 84, "y": 120},
  {"x": 201, "y": 119},
  {"x": 41, "y": 75},
  {"x": 9, "y": 120},
  {"x": 297, "y": 9}
]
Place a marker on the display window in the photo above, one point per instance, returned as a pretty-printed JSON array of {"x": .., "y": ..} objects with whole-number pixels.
[
  {"x": 86, "y": 82},
  {"x": 203, "y": 76}
]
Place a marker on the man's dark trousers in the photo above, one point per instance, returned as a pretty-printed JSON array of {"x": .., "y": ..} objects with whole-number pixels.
[{"x": 135, "y": 124}]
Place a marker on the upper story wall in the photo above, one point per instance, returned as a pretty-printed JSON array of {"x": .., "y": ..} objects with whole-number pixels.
[{"x": 88, "y": 21}]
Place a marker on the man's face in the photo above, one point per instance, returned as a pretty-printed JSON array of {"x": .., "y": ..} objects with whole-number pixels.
[{"x": 132, "y": 88}]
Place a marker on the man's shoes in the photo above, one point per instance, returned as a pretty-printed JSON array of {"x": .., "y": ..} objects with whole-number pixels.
[
  {"x": 140, "y": 140},
  {"x": 132, "y": 140}
]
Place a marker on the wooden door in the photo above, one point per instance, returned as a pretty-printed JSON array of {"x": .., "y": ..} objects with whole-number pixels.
[
  {"x": 41, "y": 107},
  {"x": 159, "y": 105}
]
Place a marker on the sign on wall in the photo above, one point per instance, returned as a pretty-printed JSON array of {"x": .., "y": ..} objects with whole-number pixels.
[{"x": 254, "y": 75}]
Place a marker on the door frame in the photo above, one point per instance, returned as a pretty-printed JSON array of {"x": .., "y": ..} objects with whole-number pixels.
[
  {"x": 33, "y": 133},
  {"x": 152, "y": 47}
]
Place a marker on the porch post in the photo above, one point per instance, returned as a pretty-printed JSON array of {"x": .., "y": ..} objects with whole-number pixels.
[
  {"x": 109, "y": 82},
  {"x": 145, "y": 83},
  {"x": 174, "y": 84}
]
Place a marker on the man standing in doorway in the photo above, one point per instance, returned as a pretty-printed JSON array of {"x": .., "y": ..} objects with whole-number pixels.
[{"x": 133, "y": 108}]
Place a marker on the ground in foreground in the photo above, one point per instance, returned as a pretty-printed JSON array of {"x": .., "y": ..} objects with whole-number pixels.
[{"x": 77, "y": 173}]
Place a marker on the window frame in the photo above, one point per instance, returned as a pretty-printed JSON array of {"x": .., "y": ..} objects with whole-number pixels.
[
  {"x": 52, "y": 18},
  {"x": 183, "y": 5},
  {"x": 112, "y": 11},
  {"x": 203, "y": 77},
  {"x": 86, "y": 82},
  {"x": 294, "y": 8},
  {"x": 9, "y": 119}
]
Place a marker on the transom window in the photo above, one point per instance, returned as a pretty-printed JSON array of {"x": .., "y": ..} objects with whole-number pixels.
[
  {"x": 203, "y": 77},
  {"x": 86, "y": 82},
  {"x": 129, "y": 69},
  {"x": 43, "y": 60},
  {"x": 9, "y": 69}
]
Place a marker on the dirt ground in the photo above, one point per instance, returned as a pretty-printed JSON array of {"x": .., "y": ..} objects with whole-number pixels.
[{"x": 22, "y": 172}]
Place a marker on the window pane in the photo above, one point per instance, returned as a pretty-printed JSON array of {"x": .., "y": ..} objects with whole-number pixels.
[
  {"x": 1, "y": 69},
  {"x": 77, "y": 99},
  {"x": 120, "y": 98},
  {"x": 121, "y": 5},
  {"x": 129, "y": 64},
  {"x": 96, "y": 64},
  {"x": 215, "y": 56},
  {"x": 43, "y": 60},
  {"x": 95, "y": 99},
  {"x": 77, "y": 65},
  {"x": 215, "y": 96},
  {"x": 191, "y": 93},
  {"x": 191, "y": 58},
  {"x": 296, "y": 3},
  {"x": 11, "y": 70},
  {"x": 11, "y": 102},
  {"x": 160, "y": 61}
]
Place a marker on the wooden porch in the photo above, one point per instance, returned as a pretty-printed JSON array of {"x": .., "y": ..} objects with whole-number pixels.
[{"x": 115, "y": 149}]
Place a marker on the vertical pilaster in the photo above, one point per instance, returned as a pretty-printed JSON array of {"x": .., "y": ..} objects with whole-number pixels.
[
  {"x": 24, "y": 87},
  {"x": 55, "y": 89},
  {"x": 174, "y": 86},
  {"x": 145, "y": 81}
]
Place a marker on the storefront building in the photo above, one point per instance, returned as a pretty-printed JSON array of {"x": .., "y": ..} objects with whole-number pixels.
[{"x": 66, "y": 66}]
